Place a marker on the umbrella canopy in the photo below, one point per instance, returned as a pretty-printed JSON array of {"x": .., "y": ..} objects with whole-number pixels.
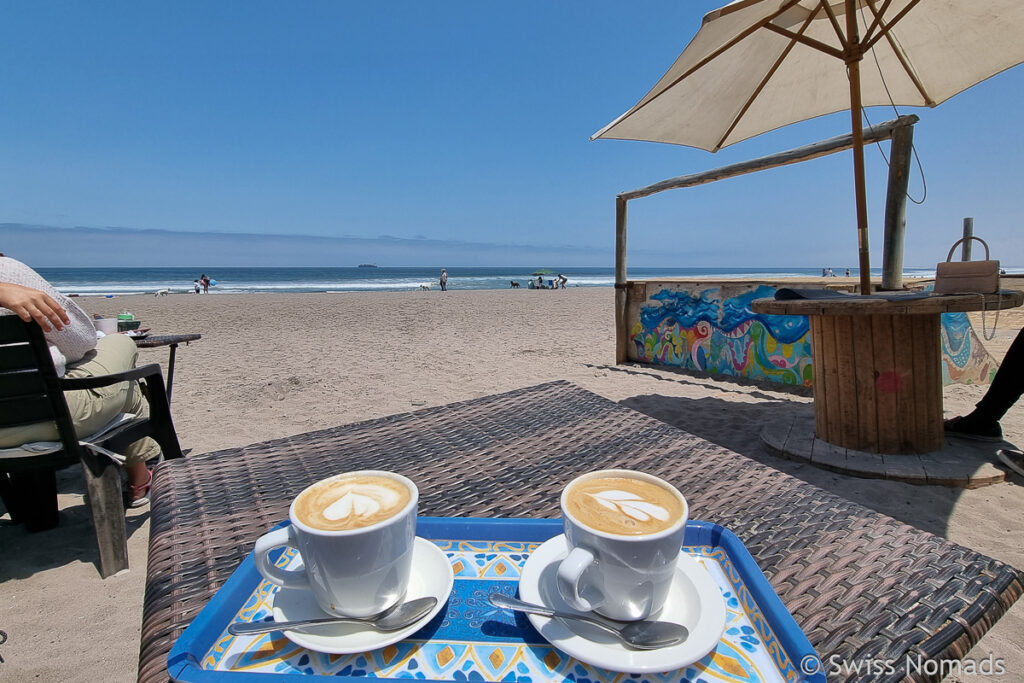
[{"x": 758, "y": 65}]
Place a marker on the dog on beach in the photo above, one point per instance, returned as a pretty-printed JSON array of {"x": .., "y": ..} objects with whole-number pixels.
[
  {"x": 515, "y": 285},
  {"x": 425, "y": 288},
  {"x": 162, "y": 292}
]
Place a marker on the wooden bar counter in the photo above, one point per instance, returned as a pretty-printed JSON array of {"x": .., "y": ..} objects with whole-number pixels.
[{"x": 877, "y": 373}]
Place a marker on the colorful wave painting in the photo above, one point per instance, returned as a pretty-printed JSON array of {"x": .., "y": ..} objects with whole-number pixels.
[
  {"x": 964, "y": 358},
  {"x": 711, "y": 332}
]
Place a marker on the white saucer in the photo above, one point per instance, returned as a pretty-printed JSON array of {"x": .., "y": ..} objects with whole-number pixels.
[
  {"x": 431, "y": 575},
  {"x": 694, "y": 601}
]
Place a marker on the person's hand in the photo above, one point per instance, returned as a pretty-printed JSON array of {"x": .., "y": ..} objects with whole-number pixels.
[{"x": 31, "y": 304}]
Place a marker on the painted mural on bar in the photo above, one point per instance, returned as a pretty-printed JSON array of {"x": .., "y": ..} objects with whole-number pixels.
[
  {"x": 964, "y": 358},
  {"x": 710, "y": 328},
  {"x": 713, "y": 330}
]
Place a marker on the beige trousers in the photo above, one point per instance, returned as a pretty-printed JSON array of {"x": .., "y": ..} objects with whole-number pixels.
[{"x": 91, "y": 409}]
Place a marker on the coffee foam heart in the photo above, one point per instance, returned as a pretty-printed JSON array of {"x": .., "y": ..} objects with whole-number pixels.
[
  {"x": 362, "y": 502},
  {"x": 624, "y": 505},
  {"x": 351, "y": 502},
  {"x": 631, "y": 505}
]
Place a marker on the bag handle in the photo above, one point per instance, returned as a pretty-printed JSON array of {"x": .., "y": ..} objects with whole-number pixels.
[
  {"x": 984, "y": 324},
  {"x": 949, "y": 257}
]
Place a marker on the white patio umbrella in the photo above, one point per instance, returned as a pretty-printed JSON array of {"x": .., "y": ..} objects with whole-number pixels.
[{"x": 758, "y": 65}]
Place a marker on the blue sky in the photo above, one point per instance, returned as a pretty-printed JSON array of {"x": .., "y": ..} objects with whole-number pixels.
[{"x": 462, "y": 123}]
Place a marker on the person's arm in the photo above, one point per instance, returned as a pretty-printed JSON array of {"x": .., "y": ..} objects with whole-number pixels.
[
  {"x": 32, "y": 304},
  {"x": 28, "y": 295}
]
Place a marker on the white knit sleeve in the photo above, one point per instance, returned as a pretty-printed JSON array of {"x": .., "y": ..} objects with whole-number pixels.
[{"x": 76, "y": 339}]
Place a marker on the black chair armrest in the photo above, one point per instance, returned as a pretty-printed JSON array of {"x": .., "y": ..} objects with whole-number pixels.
[
  {"x": 72, "y": 383},
  {"x": 156, "y": 396}
]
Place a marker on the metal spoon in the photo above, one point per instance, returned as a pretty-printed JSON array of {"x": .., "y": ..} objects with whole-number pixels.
[
  {"x": 391, "y": 619},
  {"x": 639, "y": 635}
]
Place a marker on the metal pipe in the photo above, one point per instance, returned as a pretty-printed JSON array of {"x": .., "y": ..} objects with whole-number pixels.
[{"x": 965, "y": 250}]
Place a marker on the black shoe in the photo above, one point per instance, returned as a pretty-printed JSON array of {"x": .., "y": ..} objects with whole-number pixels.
[
  {"x": 1012, "y": 459},
  {"x": 964, "y": 428}
]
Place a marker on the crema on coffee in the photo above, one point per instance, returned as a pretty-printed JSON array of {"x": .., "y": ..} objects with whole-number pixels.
[
  {"x": 623, "y": 505},
  {"x": 351, "y": 502}
]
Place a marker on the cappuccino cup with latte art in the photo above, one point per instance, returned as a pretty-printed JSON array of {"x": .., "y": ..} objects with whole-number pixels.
[
  {"x": 625, "y": 531},
  {"x": 355, "y": 533}
]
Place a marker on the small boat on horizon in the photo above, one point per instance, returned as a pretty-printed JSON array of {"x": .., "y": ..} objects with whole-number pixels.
[{"x": 367, "y": 265}]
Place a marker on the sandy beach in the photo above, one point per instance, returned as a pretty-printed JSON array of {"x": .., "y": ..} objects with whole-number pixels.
[{"x": 274, "y": 365}]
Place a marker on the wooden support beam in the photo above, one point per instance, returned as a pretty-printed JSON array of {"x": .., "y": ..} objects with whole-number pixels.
[
  {"x": 621, "y": 329},
  {"x": 896, "y": 207},
  {"x": 876, "y": 133}
]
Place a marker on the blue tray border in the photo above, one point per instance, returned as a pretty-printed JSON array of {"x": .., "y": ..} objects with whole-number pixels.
[{"x": 183, "y": 662}]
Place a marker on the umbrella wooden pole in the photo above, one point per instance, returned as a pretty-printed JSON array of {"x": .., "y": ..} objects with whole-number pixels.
[
  {"x": 853, "y": 66},
  {"x": 862, "y": 203}
]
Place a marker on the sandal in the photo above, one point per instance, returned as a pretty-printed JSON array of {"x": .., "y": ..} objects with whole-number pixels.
[
  {"x": 1012, "y": 459},
  {"x": 137, "y": 495}
]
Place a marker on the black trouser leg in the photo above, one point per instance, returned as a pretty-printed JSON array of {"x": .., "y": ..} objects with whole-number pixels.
[{"x": 1007, "y": 386}]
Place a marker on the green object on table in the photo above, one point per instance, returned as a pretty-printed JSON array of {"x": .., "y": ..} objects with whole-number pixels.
[{"x": 125, "y": 325}]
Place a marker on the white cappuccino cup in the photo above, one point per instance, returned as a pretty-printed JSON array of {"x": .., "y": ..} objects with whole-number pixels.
[
  {"x": 355, "y": 532},
  {"x": 625, "y": 531}
]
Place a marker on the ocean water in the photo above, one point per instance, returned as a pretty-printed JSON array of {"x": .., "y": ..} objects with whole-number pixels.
[{"x": 112, "y": 281}]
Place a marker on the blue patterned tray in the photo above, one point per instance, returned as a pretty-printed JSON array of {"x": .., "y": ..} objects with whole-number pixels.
[{"x": 469, "y": 640}]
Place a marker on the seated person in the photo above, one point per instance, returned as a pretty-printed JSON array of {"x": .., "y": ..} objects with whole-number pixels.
[{"x": 76, "y": 353}]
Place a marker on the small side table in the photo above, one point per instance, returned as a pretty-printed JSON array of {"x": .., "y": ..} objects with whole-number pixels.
[
  {"x": 171, "y": 340},
  {"x": 877, "y": 373}
]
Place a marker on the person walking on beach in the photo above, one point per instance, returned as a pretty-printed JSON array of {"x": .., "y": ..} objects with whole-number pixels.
[
  {"x": 444, "y": 280},
  {"x": 982, "y": 423},
  {"x": 72, "y": 340},
  {"x": 562, "y": 280},
  {"x": 205, "y": 280}
]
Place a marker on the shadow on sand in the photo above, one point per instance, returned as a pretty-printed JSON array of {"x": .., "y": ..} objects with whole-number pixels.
[
  {"x": 720, "y": 383},
  {"x": 71, "y": 541},
  {"x": 737, "y": 425}
]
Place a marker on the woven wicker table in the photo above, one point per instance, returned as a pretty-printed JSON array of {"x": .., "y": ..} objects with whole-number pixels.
[{"x": 859, "y": 584}]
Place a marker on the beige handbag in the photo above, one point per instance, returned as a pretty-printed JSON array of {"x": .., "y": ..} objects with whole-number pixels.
[
  {"x": 970, "y": 277},
  {"x": 962, "y": 277}
]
